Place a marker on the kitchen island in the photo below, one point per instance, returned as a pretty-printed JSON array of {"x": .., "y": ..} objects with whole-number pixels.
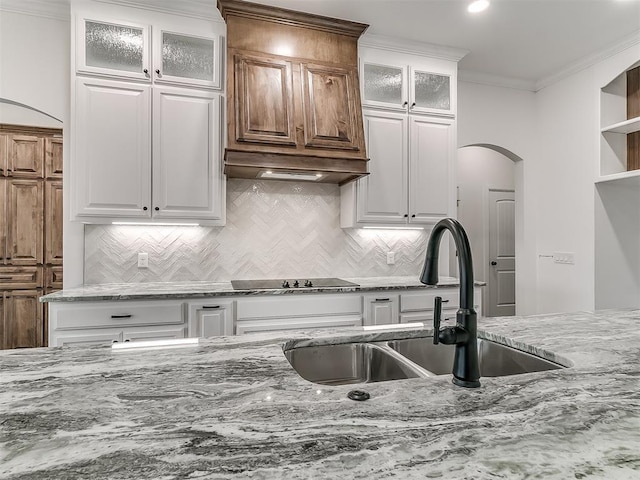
[{"x": 232, "y": 407}]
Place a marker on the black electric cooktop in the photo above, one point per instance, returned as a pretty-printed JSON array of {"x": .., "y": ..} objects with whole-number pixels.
[{"x": 279, "y": 284}]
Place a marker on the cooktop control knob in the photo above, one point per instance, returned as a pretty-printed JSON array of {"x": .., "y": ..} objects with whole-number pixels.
[
  {"x": 285, "y": 284},
  {"x": 308, "y": 283},
  {"x": 296, "y": 284}
]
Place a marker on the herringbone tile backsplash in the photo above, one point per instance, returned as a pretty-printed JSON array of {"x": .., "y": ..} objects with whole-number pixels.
[{"x": 274, "y": 230}]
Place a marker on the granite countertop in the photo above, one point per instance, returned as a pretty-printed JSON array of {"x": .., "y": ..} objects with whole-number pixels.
[
  {"x": 232, "y": 407},
  {"x": 167, "y": 290}
]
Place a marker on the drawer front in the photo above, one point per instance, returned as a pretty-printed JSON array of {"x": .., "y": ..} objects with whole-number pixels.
[
  {"x": 299, "y": 306},
  {"x": 418, "y": 301},
  {"x": 121, "y": 314},
  {"x": 53, "y": 278},
  {"x": 257, "y": 326},
  {"x": 20, "y": 277}
]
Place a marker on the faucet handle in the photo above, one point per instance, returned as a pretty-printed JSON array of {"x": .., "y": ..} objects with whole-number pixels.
[{"x": 437, "y": 318}]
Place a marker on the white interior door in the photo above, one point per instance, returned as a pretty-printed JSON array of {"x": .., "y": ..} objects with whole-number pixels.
[{"x": 501, "y": 278}]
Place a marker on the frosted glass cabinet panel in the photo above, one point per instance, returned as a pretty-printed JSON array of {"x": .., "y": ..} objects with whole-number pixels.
[
  {"x": 431, "y": 91},
  {"x": 384, "y": 84},
  {"x": 113, "y": 48},
  {"x": 186, "y": 59}
]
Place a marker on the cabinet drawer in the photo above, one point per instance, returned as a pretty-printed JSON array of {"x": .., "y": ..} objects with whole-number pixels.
[
  {"x": 257, "y": 326},
  {"x": 299, "y": 306},
  {"x": 20, "y": 277},
  {"x": 111, "y": 314},
  {"x": 418, "y": 301}
]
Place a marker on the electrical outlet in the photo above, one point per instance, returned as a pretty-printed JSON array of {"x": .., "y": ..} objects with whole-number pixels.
[
  {"x": 391, "y": 258},
  {"x": 566, "y": 258},
  {"x": 143, "y": 260}
]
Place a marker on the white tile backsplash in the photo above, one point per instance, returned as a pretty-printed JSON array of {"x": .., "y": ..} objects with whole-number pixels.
[{"x": 274, "y": 230}]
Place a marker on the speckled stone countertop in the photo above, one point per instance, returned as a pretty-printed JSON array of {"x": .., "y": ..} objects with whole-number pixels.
[
  {"x": 232, "y": 407},
  {"x": 166, "y": 290}
]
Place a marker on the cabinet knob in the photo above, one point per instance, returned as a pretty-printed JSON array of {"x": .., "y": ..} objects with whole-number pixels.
[
  {"x": 405, "y": 215},
  {"x": 405, "y": 104},
  {"x": 157, "y": 209},
  {"x": 158, "y": 73},
  {"x": 494, "y": 263},
  {"x": 145, "y": 208},
  {"x": 413, "y": 216},
  {"x": 412, "y": 105},
  {"x": 146, "y": 71}
]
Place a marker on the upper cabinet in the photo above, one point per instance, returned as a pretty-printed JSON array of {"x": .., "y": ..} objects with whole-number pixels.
[
  {"x": 620, "y": 127},
  {"x": 409, "y": 100},
  {"x": 147, "y": 117},
  {"x": 182, "y": 54},
  {"x": 294, "y": 109}
]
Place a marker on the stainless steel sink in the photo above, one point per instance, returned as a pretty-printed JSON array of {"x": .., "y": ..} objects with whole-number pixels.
[
  {"x": 495, "y": 360},
  {"x": 350, "y": 363}
]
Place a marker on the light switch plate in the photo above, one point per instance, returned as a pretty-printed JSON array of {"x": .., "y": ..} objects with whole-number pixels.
[{"x": 391, "y": 258}]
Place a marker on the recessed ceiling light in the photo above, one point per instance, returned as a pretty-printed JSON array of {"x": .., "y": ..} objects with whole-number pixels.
[{"x": 478, "y": 6}]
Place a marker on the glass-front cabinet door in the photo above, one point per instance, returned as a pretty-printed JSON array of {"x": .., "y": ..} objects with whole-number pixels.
[
  {"x": 430, "y": 92},
  {"x": 384, "y": 86},
  {"x": 188, "y": 59},
  {"x": 118, "y": 49}
]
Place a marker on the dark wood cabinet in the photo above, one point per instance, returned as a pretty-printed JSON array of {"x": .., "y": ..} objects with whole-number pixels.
[
  {"x": 30, "y": 231},
  {"x": 293, "y": 94}
]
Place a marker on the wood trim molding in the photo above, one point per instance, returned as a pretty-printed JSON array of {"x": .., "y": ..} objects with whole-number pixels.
[
  {"x": 290, "y": 17},
  {"x": 28, "y": 130}
]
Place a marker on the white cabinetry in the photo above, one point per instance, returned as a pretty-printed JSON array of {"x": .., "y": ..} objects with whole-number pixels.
[
  {"x": 117, "y": 321},
  {"x": 380, "y": 309},
  {"x": 146, "y": 144},
  {"x": 211, "y": 317},
  {"x": 417, "y": 306},
  {"x": 410, "y": 133},
  {"x": 297, "y": 312}
]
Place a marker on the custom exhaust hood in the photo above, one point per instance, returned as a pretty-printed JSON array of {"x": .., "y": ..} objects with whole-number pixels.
[{"x": 293, "y": 109}]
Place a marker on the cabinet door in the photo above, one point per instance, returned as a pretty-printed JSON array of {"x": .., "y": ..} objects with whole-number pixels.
[
  {"x": 112, "y": 161},
  {"x": 330, "y": 108},
  {"x": 21, "y": 324},
  {"x": 152, "y": 333},
  {"x": 53, "y": 158},
  {"x": 432, "y": 149},
  {"x": 192, "y": 59},
  {"x": 113, "y": 48},
  {"x": 384, "y": 85},
  {"x": 26, "y": 153},
  {"x": 380, "y": 309},
  {"x": 211, "y": 320},
  {"x": 24, "y": 221},
  {"x": 431, "y": 92},
  {"x": 187, "y": 175},
  {"x": 264, "y": 100},
  {"x": 53, "y": 223},
  {"x": 382, "y": 195},
  {"x": 88, "y": 337}
]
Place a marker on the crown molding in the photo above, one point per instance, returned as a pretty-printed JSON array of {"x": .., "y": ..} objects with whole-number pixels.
[
  {"x": 203, "y": 9},
  {"x": 471, "y": 76},
  {"x": 394, "y": 44},
  {"x": 590, "y": 60},
  {"x": 54, "y": 9}
]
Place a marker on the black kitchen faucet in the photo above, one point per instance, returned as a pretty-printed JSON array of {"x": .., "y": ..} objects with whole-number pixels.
[{"x": 466, "y": 372}]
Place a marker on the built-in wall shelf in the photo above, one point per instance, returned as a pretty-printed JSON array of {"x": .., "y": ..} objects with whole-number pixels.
[
  {"x": 630, "y": 178},
  {"x": 628, "y": 126}
]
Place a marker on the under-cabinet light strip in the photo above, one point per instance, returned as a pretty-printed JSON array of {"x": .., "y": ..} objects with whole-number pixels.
[
  {"x": 158, "y": 224},
  {"x": 396, "y": 326},
  {"x": 393, "y": 228}
]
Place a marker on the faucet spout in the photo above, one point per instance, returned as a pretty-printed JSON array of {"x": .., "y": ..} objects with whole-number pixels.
[{"x": 466, "y": 371}]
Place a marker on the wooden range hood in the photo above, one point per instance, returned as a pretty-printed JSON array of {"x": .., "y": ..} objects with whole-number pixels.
[{"x": 293, "y": 109}]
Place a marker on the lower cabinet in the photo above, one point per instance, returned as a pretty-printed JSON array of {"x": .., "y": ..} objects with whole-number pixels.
[
  {"x": 380, "y": 309},
  {"x": 297, "y": 312},
  {"x": 417, "y": 306},
  {"x": 95, "y": 323},
  {"x": 211, "y": 318},
  {"x": 21, "y": 319}
]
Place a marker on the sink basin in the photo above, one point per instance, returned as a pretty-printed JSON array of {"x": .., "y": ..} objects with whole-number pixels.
[
  {"x": 495, "y": 360},
  {"x": 350, "y": 363}
]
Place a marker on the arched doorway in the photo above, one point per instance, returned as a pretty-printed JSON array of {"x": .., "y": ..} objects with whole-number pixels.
[{"x": 487, "y": 181}]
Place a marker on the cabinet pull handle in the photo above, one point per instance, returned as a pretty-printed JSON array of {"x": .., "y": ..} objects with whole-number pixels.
[
  {"x": 123, "y": 315},
  {"x": 211, "y": 306},
  {"x": 405, "y": 104},
  {"x": 146, "y": 71},
  {"x": 445, "y": 301},
  {"x": 382, "y": 299},
  {"x": 412, "y": 105},
  {"x": 158, "y": 72}
]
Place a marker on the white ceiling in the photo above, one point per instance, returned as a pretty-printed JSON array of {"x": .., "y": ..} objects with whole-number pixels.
[{"x": 525, "y": 43}]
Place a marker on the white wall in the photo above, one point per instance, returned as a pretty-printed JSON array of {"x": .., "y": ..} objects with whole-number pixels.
[
  {"x": 506, "y": 118},
  {"x": 34, "y": 70}
]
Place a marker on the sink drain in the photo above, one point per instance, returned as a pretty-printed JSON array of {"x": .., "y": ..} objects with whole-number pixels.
[{"x": 358, "y": 395}]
